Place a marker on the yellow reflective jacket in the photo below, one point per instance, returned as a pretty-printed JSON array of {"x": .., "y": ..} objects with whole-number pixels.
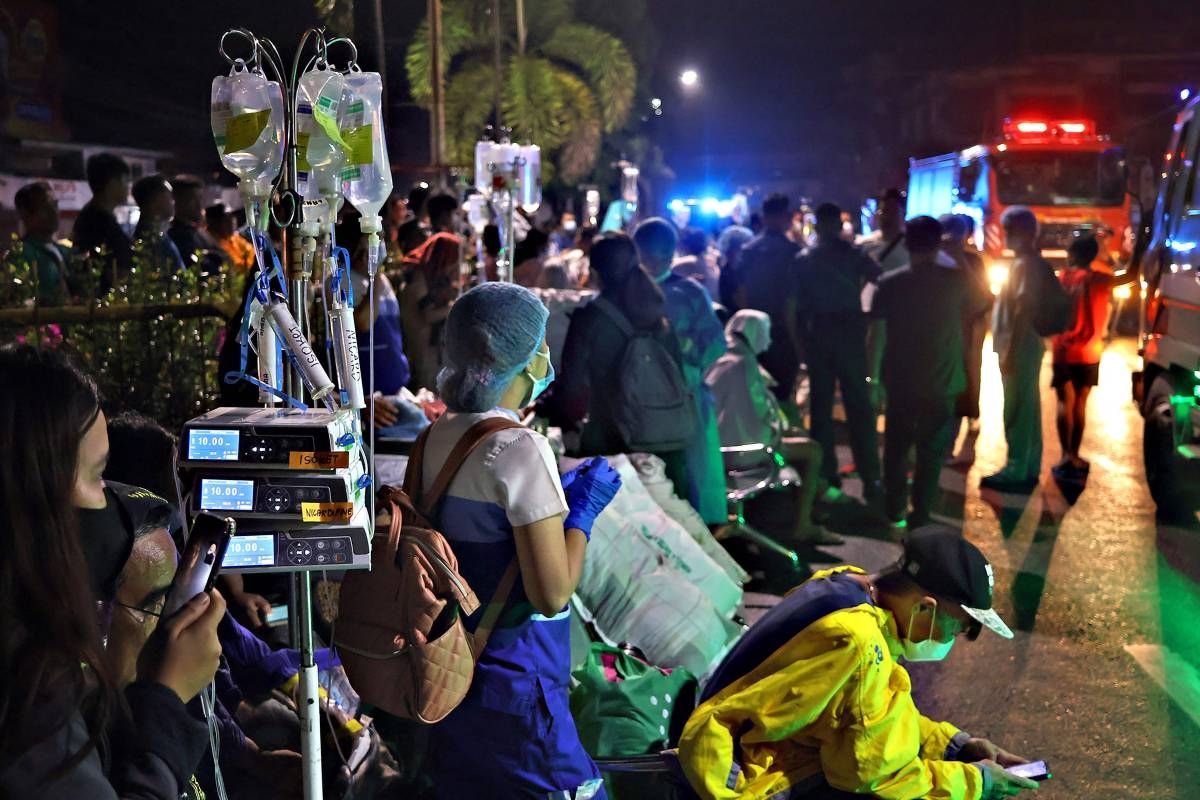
[{"x": 818, "y": 692}]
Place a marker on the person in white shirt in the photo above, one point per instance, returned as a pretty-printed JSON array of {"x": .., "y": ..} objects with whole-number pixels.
[{"x": 748, "y": 413}]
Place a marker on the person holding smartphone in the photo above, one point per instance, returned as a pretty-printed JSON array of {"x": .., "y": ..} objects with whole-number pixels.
[
  {"x": 64, "y": 730},
  {"x": 812, "y": 702}
]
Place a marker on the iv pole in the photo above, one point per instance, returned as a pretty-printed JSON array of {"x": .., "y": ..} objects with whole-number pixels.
[{"x": 298, "y": 277}]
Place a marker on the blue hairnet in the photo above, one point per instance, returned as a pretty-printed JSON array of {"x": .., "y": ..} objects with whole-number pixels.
[{"x": 491, "y": 334}]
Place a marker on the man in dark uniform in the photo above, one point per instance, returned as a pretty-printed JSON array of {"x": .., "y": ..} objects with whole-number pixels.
[
  {"x": 829, "y": 280},
  {"x": 97, "y": 234},
  {"x": 923, "y": 367},
  {"x": 766, "y": 271}
]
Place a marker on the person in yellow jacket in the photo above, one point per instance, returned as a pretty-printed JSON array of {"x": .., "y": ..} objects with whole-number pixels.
[{"x": 811, "y": 702}]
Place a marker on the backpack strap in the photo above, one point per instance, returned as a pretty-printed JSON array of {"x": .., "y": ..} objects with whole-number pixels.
[
  {"x": 476, "y": 435},
  {"x": 619, "y": 319},
  {"x": 491, "y": 614},
  {"x": 414, "y": 472}
]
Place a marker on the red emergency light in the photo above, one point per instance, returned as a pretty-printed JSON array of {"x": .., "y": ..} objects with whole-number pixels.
[{"x": 1039, "y": 127}]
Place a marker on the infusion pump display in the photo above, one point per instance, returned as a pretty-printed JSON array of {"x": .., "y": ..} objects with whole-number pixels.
[
  {"x": 226, "y": 495},
  {"x": 311, "y": 497},
  {"x": 270, "y": 551},
  {"x": 282, "y": 550},
  {"x": 213, "y": 445},
  {"x": 250, "y": 551}
]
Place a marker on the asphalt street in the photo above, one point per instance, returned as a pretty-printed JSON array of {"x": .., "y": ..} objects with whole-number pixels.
[{"x": 1103, "y": 677}]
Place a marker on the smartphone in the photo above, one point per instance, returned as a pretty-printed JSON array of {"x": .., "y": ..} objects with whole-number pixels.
[
  {"x": 1034, "y": 771},
  {"x": 201, "y": 560}
]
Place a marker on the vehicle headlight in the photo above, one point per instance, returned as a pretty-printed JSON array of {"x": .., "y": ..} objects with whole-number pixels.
[{"x": 1123, "y": 292}]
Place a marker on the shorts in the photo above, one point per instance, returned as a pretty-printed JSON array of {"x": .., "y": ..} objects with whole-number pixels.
[{"x": 1078, "y": 375}]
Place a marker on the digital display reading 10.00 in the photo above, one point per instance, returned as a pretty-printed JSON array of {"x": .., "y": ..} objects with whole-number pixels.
[
  {"x": 205, "y": 445},
  {"x": 250, "y": 551},
  {"x": 224, "y": 495}
]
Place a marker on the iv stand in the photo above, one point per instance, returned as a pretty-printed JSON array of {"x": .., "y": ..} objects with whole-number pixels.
[
  {"x": 510, "y": 173},
  {"x": 298, "y": 278}
]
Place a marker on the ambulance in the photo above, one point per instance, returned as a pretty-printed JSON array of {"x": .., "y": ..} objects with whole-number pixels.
[{"x": 1072, "y": 178}]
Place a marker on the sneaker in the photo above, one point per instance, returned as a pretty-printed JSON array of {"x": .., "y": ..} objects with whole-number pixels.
[{"x": 1006, "y": 482}]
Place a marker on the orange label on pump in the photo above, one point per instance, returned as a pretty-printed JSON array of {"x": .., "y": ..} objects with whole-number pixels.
[
  {"x": 299, "y": 459},
  {"x": 326, "y": 512}
]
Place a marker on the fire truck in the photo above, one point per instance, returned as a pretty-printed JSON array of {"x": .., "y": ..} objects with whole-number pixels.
[
  {"x": 1072, "y": 178},
  {"x": 1167, "y": 388}
]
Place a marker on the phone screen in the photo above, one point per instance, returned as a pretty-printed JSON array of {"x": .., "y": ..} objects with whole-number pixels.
[
  {"x": 1035, "y": 770},
  {"x": 201, "y": 560}
]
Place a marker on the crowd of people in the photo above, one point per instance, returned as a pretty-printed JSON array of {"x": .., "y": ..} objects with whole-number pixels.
[{"x": 694, "y": 348}]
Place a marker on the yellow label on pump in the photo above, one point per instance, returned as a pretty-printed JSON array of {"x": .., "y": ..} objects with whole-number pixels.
[
  {"x": 299, "y": 459},
  {"x": 244, "y": 130},
  {"x": 359, "y": 141},
  {"x": 326, "y": 512}
]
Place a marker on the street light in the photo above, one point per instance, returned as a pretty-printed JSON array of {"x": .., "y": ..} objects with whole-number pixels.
[{"x": 689, "y": 78}]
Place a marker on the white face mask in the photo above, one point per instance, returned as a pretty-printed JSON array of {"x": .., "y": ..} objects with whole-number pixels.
[{"x": 928, "y": 650}]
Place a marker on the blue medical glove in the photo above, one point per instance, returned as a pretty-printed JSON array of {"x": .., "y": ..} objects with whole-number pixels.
[
  {"x": 568, "y": 477},
  {"x": 589, "y": 488}
]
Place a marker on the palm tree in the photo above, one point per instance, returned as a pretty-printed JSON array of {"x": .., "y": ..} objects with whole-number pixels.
[{"x": 562, "y": 84}]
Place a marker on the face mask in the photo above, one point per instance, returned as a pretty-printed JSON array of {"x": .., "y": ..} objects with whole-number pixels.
[
  {"x": 540, "y": 384},
  {"x": 106, "y": 539},
  {"x": 928, "y": 650},
  {"x": 569, "y": 227}
]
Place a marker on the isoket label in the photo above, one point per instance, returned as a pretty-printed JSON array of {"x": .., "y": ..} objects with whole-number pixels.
[{"x": 300, "y": 459}]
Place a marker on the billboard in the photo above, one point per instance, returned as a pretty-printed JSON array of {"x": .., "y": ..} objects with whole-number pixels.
[{"x": 30, "y": 71}]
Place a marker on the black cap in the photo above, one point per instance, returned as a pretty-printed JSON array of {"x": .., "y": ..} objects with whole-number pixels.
[{"x": 943, "y": 563}]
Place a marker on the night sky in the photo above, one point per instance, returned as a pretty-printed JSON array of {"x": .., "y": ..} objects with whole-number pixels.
[{"x": 777, "y": 96}]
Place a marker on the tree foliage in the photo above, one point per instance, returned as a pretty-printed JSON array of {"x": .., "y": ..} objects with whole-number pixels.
[{"x": 572, "y": 84}]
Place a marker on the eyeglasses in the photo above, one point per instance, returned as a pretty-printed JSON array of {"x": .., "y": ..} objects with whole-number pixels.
[{"x": 142, "y": 615}]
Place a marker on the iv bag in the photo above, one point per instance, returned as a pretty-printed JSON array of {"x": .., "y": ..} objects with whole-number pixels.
[
  {"x": 484, "y": 157},
  {"x": 246, "y": 112},
  {"x": 478, "y": 215},
  {"x": 321, "y": 152},
  {"x": 531, "y": 178},
  {"x": 493, "y": 165},
  {"x": 367, "y": 177}
]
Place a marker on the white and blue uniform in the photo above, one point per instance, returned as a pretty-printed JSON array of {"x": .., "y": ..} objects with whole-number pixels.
[{"x": 513, "y": 736}]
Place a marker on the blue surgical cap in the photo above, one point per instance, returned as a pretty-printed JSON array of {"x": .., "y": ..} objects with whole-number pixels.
[{"x": 491, "y": 334}]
